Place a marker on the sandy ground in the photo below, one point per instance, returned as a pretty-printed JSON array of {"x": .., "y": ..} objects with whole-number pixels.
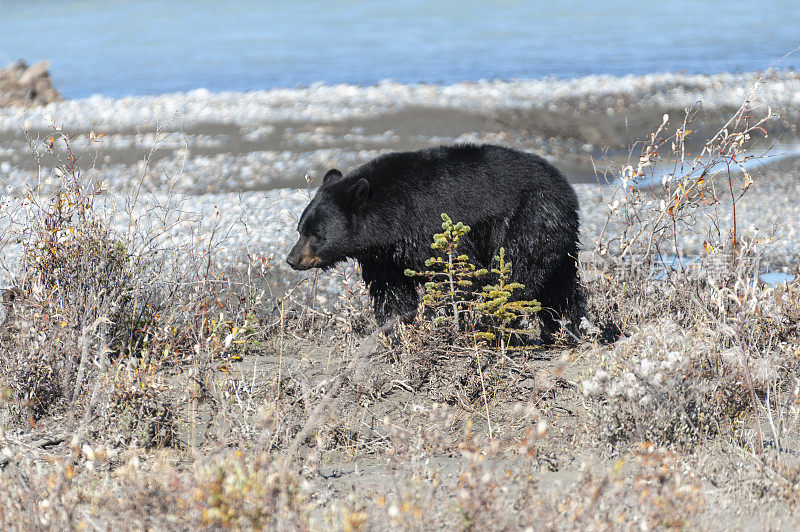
[{"x": 732, "y": 491}]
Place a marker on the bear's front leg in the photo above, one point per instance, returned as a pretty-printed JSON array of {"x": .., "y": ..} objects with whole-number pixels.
[{"x": 392, "y": 292}]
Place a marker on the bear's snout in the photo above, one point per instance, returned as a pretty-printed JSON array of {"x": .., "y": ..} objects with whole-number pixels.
[
  {"x": 302, "y": 257},
  {"x": 293, "y": 261}
]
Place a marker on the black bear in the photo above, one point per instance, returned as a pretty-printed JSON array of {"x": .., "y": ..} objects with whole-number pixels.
[{"x": 384, "y": 214}]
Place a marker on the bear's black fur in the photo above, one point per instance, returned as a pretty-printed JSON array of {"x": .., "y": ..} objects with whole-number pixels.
[{"x": 384, "y": 214}]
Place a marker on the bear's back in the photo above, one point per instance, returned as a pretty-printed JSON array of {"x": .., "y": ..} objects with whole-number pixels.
[{"x": 459, "y": 169}]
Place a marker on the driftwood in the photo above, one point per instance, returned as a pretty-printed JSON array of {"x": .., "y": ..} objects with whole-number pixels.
[{"x": 25, "y": 85}]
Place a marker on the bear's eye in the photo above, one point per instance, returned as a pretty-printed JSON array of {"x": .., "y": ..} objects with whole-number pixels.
[{"x": 317, "y": 237}]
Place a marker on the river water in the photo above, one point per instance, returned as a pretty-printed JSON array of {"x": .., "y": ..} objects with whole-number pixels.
[{"x": 116, "y": 47}]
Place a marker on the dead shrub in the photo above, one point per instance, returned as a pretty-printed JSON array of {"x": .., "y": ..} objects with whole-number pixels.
[
  {"x": 668, "y": 385},
  {"x": 705, "y": 336},
  {"x": 652, "y": 489},
  {"x": 98, "y": 322},
  {"x": 248, "y": 493},
  {"x": 73, "y": 290}
]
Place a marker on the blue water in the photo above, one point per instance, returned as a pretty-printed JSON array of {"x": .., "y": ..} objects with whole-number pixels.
[
  {"x": 777, "y": 277},
  {"x": 117, "y": 48}
]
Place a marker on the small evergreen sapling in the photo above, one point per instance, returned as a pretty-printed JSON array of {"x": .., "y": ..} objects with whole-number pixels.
[
  {"x": 495, "y": 303},
  {"x": 451, "y": 277}
]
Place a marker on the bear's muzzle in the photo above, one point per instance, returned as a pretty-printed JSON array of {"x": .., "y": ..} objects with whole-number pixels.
[{"x": 302, "y": 257}]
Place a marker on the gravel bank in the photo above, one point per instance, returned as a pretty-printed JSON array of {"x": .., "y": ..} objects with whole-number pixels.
[
  {"x": 339, "y": 102},
  {"x": 239, "y": 160},
  {"x": 259, "y": 140}
]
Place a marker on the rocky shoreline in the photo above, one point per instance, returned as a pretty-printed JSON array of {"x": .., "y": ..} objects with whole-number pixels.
[{"x": 246, "y": 160}]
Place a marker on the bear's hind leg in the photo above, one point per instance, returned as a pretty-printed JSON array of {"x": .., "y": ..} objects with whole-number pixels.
[{"x": 563, "y": 301}]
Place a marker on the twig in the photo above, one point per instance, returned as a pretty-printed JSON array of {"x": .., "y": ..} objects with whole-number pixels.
[
  {"x": 42, "y": 443},
  {"x": 483, "y": 390}
]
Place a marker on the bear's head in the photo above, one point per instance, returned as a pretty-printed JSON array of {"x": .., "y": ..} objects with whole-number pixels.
[{"x": 327, "y": 230}]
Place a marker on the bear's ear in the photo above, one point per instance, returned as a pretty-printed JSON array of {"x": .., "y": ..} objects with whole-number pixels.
[
  {"x": 359, "y": 193},
  {"x": 332, "y": 174}
]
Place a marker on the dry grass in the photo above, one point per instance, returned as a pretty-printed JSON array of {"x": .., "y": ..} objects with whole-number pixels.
[{"x": 142, "y": 387}]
